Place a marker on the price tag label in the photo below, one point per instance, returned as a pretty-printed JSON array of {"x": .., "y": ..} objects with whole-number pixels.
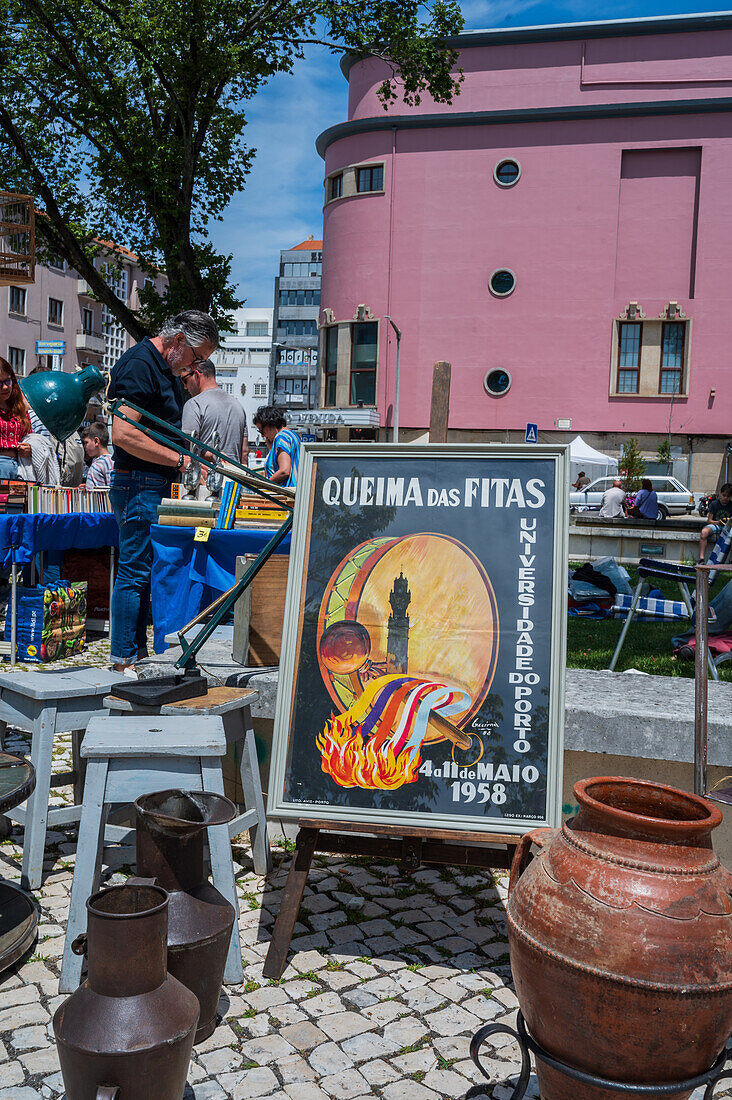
[{"x": 202, "y": 534}]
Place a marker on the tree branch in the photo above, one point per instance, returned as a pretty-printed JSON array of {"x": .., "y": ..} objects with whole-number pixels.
[{"x": 71, "y": 247}]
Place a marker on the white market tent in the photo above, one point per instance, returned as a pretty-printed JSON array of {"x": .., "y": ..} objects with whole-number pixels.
[{"x": 595, "y": 464}]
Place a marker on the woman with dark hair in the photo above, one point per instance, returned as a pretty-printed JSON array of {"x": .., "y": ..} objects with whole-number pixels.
[
  {"x": 645, "y": 505},
  {"x": 283, "y": 455},
  {"x": 14, "y": 422}
]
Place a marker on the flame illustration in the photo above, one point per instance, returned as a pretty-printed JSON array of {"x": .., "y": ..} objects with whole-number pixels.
[{"x": 353, "y": 762}]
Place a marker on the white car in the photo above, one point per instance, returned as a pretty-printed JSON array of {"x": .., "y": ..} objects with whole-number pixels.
[{"x": 673, "y": 498}]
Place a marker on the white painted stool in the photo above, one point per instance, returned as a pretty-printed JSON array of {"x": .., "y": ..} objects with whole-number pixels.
[
  {"x": 129, "y": 757},
  {"x": 234, "y": 705},
  {"x": 45, "y": 704}
]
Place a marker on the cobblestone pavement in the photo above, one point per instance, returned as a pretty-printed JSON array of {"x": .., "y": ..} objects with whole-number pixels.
[{"x": 390, "y": 977}]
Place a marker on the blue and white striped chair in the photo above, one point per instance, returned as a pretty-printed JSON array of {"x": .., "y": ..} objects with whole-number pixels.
[{"x": 654, "y": 608}]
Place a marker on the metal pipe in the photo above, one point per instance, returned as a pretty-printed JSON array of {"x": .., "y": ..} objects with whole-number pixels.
[
  {"x": 398, "y": 332},
  {"x": 275, "y": 494},
  {"x": 701, "y": 680},
  {"x": 13, "y": 612}
]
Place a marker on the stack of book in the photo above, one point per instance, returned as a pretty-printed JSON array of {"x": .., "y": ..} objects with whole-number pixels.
[
  {"x": 13, "y": 497},
  {"x": 255, "y": 511},
  {"x": 188, "y": 513},
  {"x": 61, "y": 502}
]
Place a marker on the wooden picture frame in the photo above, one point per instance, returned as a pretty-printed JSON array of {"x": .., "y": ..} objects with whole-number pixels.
[{"x": 422, "y": 672}]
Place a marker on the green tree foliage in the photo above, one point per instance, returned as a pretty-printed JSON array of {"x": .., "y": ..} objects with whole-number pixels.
[
  {"x": 125, "y": 118},
  {"x": 631, "y": 465},
  {"x": 664, "y": 453}
]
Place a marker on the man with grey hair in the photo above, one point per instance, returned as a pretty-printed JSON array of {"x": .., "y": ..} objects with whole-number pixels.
[
  {"x": 148, "y": 374},
  {"x": 210, "y": 411}
]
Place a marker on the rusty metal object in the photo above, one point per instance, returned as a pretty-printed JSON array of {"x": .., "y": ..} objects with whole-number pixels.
[
  {"x": 127, "y": 1032},
  {"x": 620, "y": 933},
  {"x": 170, "y": 829}
]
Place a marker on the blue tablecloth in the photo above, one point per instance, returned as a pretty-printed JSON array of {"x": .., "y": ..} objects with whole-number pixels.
[
  {"x": 187, "y": 576},
  {"x": 21, "y": 537}
]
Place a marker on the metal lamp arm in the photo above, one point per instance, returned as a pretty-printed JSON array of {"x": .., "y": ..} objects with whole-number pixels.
[{"x": 281, "y": 495}]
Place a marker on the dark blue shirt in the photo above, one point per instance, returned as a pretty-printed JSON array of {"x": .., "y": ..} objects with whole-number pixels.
[{"x": 142, "y": 376}]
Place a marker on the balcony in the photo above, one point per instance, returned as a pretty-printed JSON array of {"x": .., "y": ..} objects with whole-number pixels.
[
  {"x": 83, "y": 289},
  {"x": 91, "y": 341}
]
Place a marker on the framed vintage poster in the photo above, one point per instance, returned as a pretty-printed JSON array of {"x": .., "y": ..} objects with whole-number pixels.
[{"x": 423, "y": 654}]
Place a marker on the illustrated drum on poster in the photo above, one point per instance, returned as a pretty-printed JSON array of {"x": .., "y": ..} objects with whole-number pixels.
[
  {"x": 422, "y": 665},
  {"x": 395, "y": 657}
]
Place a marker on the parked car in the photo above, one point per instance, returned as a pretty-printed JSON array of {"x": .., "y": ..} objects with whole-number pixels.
[{"x": 673, "y": 498}]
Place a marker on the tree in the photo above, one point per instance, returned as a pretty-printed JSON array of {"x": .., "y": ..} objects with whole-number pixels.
[
  {"x": 125, "y": 118},
  {"x": 631, "y": 465},
  {"x": 664, "y": 453}
]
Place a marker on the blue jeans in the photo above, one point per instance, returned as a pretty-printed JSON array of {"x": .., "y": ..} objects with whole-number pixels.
[
  {"x": 8, "y": 468},
  {"x": 135, "y": 497}
]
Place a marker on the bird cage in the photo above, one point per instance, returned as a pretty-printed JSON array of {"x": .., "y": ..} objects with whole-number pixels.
[{"x": 17, "y": 239}]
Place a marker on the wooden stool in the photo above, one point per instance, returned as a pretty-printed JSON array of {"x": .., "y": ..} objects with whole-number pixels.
[
  {"x": 129, "y": 757},
  {"x": 233, "y": 705},
  {"x": 44, "y": 704}
]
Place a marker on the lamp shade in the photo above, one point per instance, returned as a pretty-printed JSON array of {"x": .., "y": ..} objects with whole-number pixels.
[{"x": 59, "y": 400}]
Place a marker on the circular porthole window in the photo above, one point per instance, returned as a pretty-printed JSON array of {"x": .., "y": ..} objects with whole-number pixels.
[
  {"x": 502, "y": 282},
  {"x": 497, "y": 382},
  {"x": 507, "y": 173}
]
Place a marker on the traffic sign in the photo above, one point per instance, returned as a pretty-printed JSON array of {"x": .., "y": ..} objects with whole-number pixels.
[{"x": 532, "y": 433}]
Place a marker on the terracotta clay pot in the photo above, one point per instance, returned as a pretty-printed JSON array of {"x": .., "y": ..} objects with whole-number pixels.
[
  {"x": 620, "y": 933},
  {"x": 127, "y": 1032}
]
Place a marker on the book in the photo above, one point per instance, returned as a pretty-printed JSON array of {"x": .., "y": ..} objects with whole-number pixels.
[{"x": 166, "y": 519}]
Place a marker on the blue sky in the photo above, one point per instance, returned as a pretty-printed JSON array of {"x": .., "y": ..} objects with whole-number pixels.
[{"x": 282, "y": 202}]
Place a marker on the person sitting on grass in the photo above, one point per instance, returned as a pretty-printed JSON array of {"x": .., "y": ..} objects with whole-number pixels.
[
  {"x": 720, "y": 510},
  {"x": 96, "y": 440}
]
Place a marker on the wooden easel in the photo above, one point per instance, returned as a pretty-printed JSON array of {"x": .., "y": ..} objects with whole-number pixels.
[
  {"x": 413, "y": 846},
  {"x": 410, "y": 845}
]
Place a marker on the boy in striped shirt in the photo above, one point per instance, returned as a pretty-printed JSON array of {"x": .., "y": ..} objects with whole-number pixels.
[{"x": 96, "y": 440}]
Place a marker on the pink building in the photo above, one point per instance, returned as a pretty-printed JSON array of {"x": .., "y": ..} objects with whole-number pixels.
[{"x": 561, "y": 233}]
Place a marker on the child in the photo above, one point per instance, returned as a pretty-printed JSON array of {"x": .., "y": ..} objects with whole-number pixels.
[
  {"x": 720, "y": 511},
  {"x": 96, "y": 439}
]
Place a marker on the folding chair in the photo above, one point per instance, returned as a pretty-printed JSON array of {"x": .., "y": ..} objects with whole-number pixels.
[{"x": 654, "y": 608}]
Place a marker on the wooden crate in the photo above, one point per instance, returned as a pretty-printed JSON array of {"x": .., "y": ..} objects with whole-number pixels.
[{"x": 259, "y": 614}]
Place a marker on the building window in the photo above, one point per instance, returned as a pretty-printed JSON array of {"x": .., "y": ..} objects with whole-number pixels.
[
  {"x": 17, "y": 300},
  {"x": 629, "y": 352},
  {"x": 331, "y": 364},
  {"x": 16, "y": 358},
  {"x": 297, "y": 328},
  {"x": 497, "y": 382},
  {"x": 55, "y": 312},
  {"x": 260, "y": 389},
  {"x": 297, "y": 271},
  {"x": 672, "y": 356},
  {"x": 502, "y": 282},
  {"x": 335, "y": 187},
  {"x": 87, "y": 321},
  {"x": 363, "y": 363},
  {"x": 57, "y": 262},
  {"x": 370, "y": 179},
  {"x": 257, "y": 328},
  {"x": 507, "y": 172},
  {"x": 299, "y": 297}
]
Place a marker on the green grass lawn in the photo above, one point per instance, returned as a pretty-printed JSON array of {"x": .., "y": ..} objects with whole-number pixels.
[{"x": 591, "y": 642}]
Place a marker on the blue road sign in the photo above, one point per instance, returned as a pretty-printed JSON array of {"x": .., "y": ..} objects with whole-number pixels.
[{"x": 532, "y": 433}]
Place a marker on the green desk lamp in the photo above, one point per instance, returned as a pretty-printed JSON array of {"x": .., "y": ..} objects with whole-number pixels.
[{"x": 59, "y": 400}]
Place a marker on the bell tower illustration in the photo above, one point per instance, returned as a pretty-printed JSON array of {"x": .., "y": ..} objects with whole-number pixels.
[{"x": 397, "y": 645}]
